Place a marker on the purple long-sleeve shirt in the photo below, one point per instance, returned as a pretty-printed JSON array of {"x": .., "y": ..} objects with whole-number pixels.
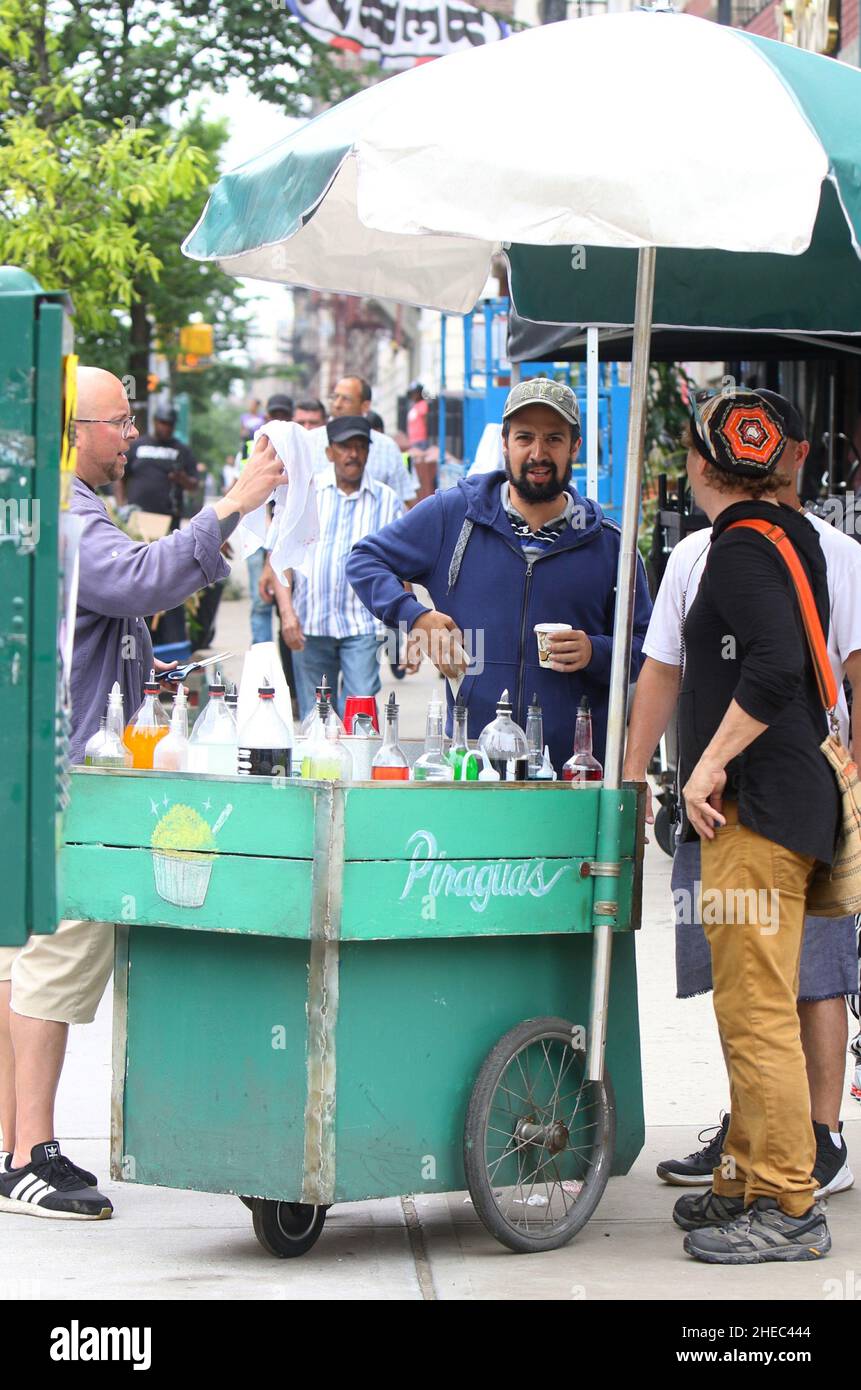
[{"x": 121, "y": 582}]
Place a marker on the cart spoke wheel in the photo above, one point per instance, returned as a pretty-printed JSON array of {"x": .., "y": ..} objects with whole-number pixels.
[
  {"x": 539, "y": 1137},
  {"x": 286, "y": 1229}
]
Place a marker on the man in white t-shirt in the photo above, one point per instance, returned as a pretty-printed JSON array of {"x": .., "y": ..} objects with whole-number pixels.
[{"x": 829, "y": 960}]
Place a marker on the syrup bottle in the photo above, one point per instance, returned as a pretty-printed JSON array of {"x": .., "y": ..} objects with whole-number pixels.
[
  {"x": 582, "y": 766},
  {"x": 390, "y": 764},
  {"x": 148, "y": 727},
  {"x": 505, "y": 744}
]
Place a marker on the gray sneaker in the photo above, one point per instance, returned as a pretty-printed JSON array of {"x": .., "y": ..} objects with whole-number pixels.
[
  {"x": 708, "y": 1209},
  {"x": 762, "y": 1234}
]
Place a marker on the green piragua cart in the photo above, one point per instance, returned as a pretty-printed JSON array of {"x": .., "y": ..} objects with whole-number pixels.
[{"x": 329, "y": 992}]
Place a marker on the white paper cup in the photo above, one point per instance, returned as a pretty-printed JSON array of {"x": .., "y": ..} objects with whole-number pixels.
[{"x": 542, "y": 632}]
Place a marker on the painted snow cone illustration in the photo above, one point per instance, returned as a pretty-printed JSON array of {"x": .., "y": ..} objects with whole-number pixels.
[{"x": 183, "y": 846}]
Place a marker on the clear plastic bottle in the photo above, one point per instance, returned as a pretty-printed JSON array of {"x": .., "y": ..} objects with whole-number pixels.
[
  {"x": 534, "y": 738},
  {"x": 582, "y": 766},
  {"x": 459, "y": 749},
  {"x": 171, "y": 755},
  {"x": 212, "y": 746},
  {"x": 95, "y": 742},
  {"x": 390, "y": 764},
  {"x": 265, "y": 745},
  {"x": 433, "y": 765},
  {"x": 505, "y": 744},
  {"x": 546, "y": 772},
  {"x": 324, "y": 757},
  {"x": 149, "y": 725},
  {"x": 112, "y": 751}
]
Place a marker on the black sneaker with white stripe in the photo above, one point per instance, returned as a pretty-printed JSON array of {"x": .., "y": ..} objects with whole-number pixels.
[
  {"x": 50, "y": 1185},
  {"x": 87, "y": 1178}
]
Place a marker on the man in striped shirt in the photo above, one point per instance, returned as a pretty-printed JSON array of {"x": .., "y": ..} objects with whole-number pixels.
[
  {"x": 332, "y": 632},
  {"x": 350, "y": 398}
]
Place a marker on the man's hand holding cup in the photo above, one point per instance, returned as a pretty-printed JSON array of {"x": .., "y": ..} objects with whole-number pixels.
[{"x": 562, "y": 647}]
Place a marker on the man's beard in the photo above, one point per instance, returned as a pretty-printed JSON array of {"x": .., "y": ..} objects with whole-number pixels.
[{"x": 540, "y": 492}]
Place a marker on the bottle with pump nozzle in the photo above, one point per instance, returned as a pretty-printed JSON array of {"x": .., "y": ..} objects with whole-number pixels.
[
  {"x": 265, "y": 746},
  {"x": 309, "y": 723},
  {"x": 390, "y": 763},
  {"x": 171, "y": 755},
  {"x": 324, "y": 757},
  {"x": 148, "y": 727},
  {"x": 459, "y": 752},
  {"x": 505, "y": 744},
  {"x": 212, "y": 746},
  {"x": 94, "y": 742},
  {"x": 433, "y": 765},
  {"x": 534, "y": 738},
  {"x": 112, "y": 752},
  {"x": 582, "y": 767}
]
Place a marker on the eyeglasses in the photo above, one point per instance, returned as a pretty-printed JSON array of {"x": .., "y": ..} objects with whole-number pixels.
[{"x": 126, "y": 423}]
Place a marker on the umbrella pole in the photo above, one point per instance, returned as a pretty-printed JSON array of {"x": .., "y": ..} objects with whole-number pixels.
[{"x": 605, "y": 905}]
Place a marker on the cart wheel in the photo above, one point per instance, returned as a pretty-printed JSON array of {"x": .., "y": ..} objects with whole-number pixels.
[
  {"x": 286, "y": 1229},
  {"x": 665, "y": 831},
  {"x": 247, "y": 1202},
  {"x": 539, "y": 1137}
]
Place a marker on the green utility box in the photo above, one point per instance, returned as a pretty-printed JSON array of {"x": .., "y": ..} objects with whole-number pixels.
[{"x": 34, "y": 333}]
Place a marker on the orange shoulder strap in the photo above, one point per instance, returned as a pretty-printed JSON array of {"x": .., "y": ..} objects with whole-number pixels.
[{"x": 809, "y": 616}]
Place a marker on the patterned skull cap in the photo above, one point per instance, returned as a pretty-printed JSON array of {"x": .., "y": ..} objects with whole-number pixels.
[
  {"x": 740, "y": 433},
  {"x": 542, "y": 391}
]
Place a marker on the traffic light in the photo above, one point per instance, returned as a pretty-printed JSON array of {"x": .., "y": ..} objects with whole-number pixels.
[{"x": 196, "y": 341}]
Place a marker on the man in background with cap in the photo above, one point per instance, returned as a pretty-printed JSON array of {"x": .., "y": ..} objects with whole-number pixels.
[
  {"x": 159, "y": 469},
  {"x": 501, "y": 552},
  {"x": 351, "y": 397},
  {"x": 329, "y": 630},
  {"x": 829, "y": 963}
]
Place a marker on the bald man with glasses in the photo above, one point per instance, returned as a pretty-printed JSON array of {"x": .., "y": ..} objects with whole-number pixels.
[{"x": 57, "y": 980}]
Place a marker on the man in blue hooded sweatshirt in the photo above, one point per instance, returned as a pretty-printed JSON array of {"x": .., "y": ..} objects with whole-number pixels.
[{"x": 500, "y": 553}]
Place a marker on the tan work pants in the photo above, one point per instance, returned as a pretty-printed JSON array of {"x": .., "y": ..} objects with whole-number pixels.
[{"x": 753, "y": 915}]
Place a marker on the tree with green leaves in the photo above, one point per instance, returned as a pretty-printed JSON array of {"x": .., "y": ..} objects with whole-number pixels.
[
  {"x": 97, "y": 187},
  {"x": 72, "y": 187}
]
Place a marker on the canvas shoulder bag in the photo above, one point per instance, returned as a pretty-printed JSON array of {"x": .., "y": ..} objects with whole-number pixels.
[{"x": 834, "y": 891}]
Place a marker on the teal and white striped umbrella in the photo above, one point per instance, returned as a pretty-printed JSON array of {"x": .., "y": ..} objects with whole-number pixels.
[{"x": 738, "y": 157}]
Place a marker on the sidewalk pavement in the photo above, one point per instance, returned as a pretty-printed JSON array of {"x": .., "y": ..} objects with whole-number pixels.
[{"x": 167, "y": 1244}]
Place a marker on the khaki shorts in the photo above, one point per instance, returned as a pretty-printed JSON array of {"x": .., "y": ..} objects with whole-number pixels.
[{"x": 61, "y": 977}]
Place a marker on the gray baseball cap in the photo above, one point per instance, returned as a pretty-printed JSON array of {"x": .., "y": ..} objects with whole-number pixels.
[{"x": 542, "y": 391}]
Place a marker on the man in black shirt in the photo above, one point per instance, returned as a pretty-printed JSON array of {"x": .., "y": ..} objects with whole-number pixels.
[
  {"x": 158, "y": 470},
  {"x": 764, "y": 803}
]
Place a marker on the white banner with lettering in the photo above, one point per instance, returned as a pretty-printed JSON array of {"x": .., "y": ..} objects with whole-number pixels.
[{"x": 397, "y": 33}]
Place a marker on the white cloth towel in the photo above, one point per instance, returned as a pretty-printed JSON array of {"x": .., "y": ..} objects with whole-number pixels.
[{"x": 295, "y": 527}]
